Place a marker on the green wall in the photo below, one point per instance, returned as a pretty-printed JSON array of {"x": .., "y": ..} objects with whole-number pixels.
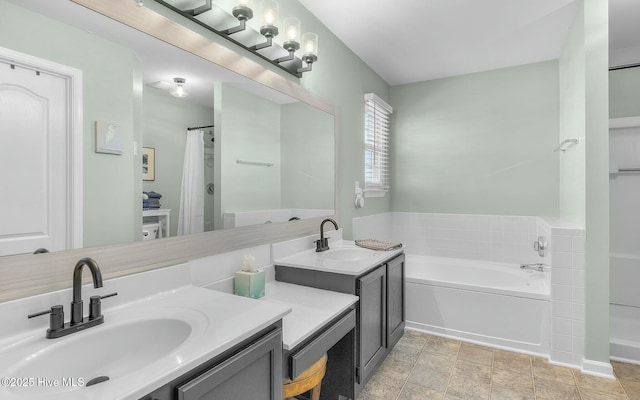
[
  {"x": 572, "y": 124},
  {"x": 165, "y": 122},
  {"x": 250, "y": 131},
  {"x": 307, "y": 145},
  {"x": 111, "y": 82},
  {"x": 624, "y": 93},
  {"x": 477, "y": 144},
  {"x": 596, "y": 27}
]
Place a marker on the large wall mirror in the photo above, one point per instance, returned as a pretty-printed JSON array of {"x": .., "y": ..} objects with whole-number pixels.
[
  {"x": 283, "y": 136},
  {"x": 267, "y": 156}
]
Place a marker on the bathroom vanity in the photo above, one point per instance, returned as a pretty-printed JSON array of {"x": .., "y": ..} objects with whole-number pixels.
[{"x": 376, "y": 277}]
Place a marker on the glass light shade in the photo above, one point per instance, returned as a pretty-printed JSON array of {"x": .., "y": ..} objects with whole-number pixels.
[
  {"x": 269, "y": 12},
  {"x": 179, "y": 88},
  {"x": 245, "y": 3},
  {"x": 310, "y": 44},
  {"x": 291, "y": 29}
]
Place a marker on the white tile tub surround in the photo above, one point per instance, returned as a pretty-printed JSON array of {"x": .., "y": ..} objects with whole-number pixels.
[
  {"x": 501, "y": 238},
  {"x": 567, "y": 295}
]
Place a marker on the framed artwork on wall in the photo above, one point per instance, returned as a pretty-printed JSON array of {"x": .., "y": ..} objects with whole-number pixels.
[
  {"x": 108, "y": 138},
  {"x": 148, "y": 164}
]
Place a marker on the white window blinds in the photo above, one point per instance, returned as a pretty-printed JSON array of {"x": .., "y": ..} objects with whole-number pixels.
[{"x": 376, "y": 150}]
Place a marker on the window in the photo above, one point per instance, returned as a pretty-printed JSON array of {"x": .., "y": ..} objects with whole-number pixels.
[{"x": 376, "y": 145}]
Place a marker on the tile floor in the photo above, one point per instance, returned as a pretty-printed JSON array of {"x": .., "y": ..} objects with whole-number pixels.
[{"x": 427, "y": 367}]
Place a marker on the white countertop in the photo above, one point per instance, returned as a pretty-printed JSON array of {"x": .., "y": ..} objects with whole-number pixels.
[
  {"x": 311, "y": 309},
  {"x": 310, "y": 259},
  {"x": 218, "y": 322}
]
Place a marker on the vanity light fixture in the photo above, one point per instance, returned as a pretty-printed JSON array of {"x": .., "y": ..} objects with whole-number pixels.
[
  {"x": 179, "y": 89},
  {"x": 310, "y": 50},
  {"x": 269, "y": 28},
  {"x": 243, "y": 11},
  {"x": 291, "y": 38},
  {"x": 203, "y": 13}
]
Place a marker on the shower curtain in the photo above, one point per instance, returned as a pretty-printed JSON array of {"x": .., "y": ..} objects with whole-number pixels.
[{"x": 191, "y": 216}]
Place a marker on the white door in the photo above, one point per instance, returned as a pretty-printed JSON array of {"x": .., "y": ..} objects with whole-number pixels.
[{"x": 35, "y": 146}]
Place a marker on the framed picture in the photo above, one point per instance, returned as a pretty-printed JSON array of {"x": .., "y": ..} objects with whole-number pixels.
[
  {"x": 108, "y": 138},
  {"x": 148, "y": 164}
]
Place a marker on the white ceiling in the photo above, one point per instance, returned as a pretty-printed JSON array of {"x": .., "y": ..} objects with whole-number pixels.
[
  {"x": 407, "y": 41},
  {"x": 404, "y": 41}
]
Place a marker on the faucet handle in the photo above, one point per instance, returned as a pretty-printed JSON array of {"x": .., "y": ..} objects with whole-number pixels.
[
  {"x": 56, "y": 320},
  {"x": 95, "y": 305}
]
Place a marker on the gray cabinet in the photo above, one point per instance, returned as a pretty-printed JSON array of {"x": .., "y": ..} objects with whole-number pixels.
[
  {"x": 371, "y": 330},
  {"x": 251, "y": 371},
  {"x": 395, "y": 300},
  {"x": 380, "y": 314}
]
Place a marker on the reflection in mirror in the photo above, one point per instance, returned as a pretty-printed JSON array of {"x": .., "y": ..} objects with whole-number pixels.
[{"x": 123, "y": 71}]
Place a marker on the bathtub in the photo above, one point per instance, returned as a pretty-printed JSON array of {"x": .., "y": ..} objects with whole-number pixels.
[{"x": 489, "y": 303}]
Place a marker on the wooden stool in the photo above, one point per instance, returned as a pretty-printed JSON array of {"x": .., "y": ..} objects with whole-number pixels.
[{"x": 310, "y": 379}]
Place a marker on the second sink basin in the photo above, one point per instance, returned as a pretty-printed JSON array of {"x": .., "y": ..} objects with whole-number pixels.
[{"x": 348, "y": 254}]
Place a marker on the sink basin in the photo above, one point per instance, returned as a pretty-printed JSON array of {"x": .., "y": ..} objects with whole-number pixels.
[
  {"x": 348, "y": 254},
  {"x": 104, "y": 351}
]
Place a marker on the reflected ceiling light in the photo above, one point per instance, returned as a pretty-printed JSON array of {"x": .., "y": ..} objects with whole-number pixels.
[
  {"x": 269, "y": 28},
  {"x": 179, "y": 89}
]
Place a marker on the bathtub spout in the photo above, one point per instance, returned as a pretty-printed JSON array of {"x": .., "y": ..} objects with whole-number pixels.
[{"x": 536, "y": 267}]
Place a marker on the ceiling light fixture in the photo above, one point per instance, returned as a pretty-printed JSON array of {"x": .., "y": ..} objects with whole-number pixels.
[
  {"x": 179, "y": 89},
  {"x": 205, "y": 14}
]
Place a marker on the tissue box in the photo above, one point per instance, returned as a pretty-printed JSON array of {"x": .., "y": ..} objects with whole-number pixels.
[{"x": 249, "y": 284}]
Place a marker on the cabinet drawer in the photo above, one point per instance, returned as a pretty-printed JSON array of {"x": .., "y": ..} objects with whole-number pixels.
[{"x": 307, "y": 355}]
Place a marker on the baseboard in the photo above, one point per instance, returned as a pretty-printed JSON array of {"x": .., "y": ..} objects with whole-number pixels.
[{"x": 597, "y": 368}]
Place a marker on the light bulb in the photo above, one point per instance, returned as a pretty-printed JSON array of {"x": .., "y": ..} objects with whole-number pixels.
[
  {"x": 292, "y": 29},
  {"x": 269, "y": 12}
]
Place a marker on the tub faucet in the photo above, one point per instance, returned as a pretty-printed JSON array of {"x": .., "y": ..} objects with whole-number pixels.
[
  {"x": 536, "y": 267},
  {"x": 323, "y": 243}
]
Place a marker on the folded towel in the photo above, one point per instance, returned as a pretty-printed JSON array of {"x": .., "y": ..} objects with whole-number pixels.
[
  {"x": 153, "y": 195},
  {"x": 374, "y": 244}
]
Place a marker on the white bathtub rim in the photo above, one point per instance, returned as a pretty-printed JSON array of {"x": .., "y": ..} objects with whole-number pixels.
[
  {"x": 537, "y": 350},
  {"x": 538, "y": 290}
]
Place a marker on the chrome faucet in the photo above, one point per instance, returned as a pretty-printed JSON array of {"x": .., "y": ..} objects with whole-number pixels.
[
  {"x": 536, "y": 267},
  {"x": 57, "y": 326},
  {"x": 323, "y": 243}
]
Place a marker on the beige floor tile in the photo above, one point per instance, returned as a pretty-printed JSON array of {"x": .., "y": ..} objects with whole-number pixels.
[
  {"x": 505, "y": 360},
  {"x": 542, "y": 369},
  {"x": 381, "y": 387},
  {"x": 626, "y": 372},
  {"x": 436, "y": 361},
  {"x": 632, "y": 388},
  {"x": 511, "y": 392},
  {"x": 417, "y": 392},
  {"x": 476, "y": 354},
  {"x": 468, "y": 387},
  {"x": 429, "y": 379},
  {"x": 511, "y": 379},
  {"x": 472, "y": 371},
  {"x": 589, "y": 394},
  {"x": 548, "y": 389},
  {"x": 443, "y": 346},
  {"x": 416, "y": 341},
  {"x": 398, "y": 369},
  {"x": 611, "y": 386}
]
